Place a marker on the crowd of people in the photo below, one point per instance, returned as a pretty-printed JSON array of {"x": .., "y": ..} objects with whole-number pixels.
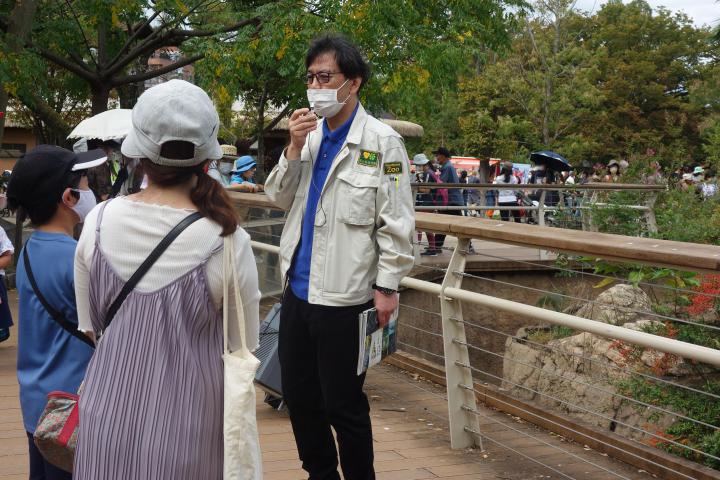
[
  {"x": 163, "y": 351},
  {"x": 510, "y": 202},
  {"x": 131, "y": 315},
  {"x": 134, "y": 310},
  {"x": 122, "y": 176}
]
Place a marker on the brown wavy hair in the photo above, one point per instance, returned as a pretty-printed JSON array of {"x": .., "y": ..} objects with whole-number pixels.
[{"x": 210, "y": 198}]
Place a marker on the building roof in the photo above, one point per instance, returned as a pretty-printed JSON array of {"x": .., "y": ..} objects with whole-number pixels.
[{"x": 11, "y": 121}]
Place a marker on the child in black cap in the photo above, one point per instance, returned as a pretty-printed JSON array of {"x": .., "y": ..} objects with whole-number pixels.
[{"x": 50, "y": 184}]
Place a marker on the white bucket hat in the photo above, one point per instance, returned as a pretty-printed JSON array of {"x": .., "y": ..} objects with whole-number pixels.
[
  {"x": 420, "y": 159},
  {"x": 174, "y": 111}
]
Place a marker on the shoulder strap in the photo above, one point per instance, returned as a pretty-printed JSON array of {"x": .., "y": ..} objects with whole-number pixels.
[
  {"x": 64, "y": 323},
  {"x": 99, "y": 219},
  {"x": 149, "y": 261}
]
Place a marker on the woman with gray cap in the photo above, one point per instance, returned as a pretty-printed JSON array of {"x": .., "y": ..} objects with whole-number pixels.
[{"x": 152, "y": 404}]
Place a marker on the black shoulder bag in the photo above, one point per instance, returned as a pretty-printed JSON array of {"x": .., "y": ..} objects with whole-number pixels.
[{"x": 70, "y": 327}]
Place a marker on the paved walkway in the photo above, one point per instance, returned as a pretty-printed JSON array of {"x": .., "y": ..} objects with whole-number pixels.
[{"x": 409, "y": 418}]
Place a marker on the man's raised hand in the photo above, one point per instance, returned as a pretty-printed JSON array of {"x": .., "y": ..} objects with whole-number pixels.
[{"x": 302, "y": 122}]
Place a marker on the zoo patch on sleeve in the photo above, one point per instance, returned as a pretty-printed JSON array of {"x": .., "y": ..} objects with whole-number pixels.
[
  {"x": 368, "y": 158},
  {"x": 392, "y": 168}
]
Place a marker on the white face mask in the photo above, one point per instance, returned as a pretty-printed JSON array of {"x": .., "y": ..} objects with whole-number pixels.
[
  {"x": 324, "y": 101},
  {"x": 85, "y": 203},
  {"x": 225, "y": 168}
]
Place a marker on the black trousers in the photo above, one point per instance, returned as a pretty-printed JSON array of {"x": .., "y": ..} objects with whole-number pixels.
[
  {"x": 440, "y": 238},
  {"x": 505, "y": 214},
  {"x": 318, "y": 351},
  {"x": 40, "y": 469}
]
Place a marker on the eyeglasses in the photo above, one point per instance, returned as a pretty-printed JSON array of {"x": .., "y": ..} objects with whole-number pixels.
[{"x": 322, "y": 77}]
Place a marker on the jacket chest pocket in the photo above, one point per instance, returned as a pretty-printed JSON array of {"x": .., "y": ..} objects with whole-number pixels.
[{"x": 356, "y": 196}]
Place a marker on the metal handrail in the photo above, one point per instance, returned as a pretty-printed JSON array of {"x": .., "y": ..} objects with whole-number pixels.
[
  {"x": 656, "y": 342},
  {"x": 544, "y": 186},
  {"x": 666, "y": 253}
]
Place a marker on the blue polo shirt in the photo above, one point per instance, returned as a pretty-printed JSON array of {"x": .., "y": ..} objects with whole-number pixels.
[
  {"x": 49, "y": 358},
  {"x": 332, "y": 143}
]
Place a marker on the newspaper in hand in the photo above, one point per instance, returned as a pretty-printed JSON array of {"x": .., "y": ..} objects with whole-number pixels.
[{"x": 375, "y": 343}]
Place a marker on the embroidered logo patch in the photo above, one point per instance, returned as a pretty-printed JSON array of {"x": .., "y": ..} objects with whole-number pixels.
[
  {"x": 368, "y": 158},
  {"x": 392, "y": 168}
]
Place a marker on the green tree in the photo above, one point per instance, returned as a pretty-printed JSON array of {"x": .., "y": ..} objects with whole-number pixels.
[
  {"x": 711, "y": 145},
  {"x": 417, "y": 50},
  {"x": 648, "y": 60},
  {"x": 594, "y": 87},
  {"x": 539, "y": 94},
  {"x": 105, "y": 44}
]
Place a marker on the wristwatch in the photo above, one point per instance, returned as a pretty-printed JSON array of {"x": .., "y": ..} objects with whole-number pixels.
[{"x": 383, "y": 290}]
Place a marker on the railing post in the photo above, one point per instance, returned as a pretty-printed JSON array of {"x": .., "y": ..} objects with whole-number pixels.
[
  {"x": 457, "y": 359},
  {"x": 650, "y": 213},
  {"x": 541, "y": 209},
  {"x": 584, "y": 215}
]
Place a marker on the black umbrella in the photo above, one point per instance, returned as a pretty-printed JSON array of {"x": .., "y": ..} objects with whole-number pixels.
[{"x": 553, "y": 161}]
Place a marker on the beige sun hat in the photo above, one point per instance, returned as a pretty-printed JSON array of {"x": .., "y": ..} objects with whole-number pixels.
[{"x": 229, "y": 151}]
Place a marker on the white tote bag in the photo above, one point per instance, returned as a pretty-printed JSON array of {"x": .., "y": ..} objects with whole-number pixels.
[{"x": 242, "y": 458}]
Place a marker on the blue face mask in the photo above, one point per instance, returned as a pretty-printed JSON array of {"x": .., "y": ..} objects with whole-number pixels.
[{"x": 225, "y": 168}]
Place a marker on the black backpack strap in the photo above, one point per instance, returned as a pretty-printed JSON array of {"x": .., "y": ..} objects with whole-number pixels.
[
  {"x": 145, "y": 266},
  {"x": 66, "y": 325}
]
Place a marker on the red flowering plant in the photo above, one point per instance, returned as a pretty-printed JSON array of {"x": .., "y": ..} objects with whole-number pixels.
[{"x": 707, "y": 298}]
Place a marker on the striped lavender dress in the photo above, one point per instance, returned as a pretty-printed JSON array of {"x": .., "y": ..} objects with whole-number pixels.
[{"x": 152, "y": 405}]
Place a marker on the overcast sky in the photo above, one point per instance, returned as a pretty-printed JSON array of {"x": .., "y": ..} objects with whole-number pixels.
[{"x": 703, "y": 12}]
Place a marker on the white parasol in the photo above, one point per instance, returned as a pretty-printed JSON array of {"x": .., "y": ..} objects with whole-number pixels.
[{"x": 108, "y": 125}]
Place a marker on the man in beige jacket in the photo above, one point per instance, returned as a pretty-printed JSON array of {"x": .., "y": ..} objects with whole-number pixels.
[{"x": 345, "y": 247}]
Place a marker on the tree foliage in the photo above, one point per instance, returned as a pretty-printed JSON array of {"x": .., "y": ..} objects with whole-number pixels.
[
  {"x": 593, "y": 87},
  {"x": 103, "y": 45},
  {"x": 254, "y": 49},
  {"x": 417, "y": 49}
]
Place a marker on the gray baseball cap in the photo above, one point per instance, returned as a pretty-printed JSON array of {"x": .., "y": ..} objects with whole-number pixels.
[{"x": 174, "y": 111}]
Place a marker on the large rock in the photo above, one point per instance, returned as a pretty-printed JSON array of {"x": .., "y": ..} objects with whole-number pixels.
[
  {"x": 578, "y": 376},
  {"x": 617, "y": 305}
]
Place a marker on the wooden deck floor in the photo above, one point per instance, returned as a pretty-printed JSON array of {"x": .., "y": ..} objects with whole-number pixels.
[
  {"x": 410, "y": 431},
  {"x": 487, "y": 257}
]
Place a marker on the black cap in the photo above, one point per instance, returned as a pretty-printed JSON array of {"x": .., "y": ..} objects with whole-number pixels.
[
  {"x": 442, "y": 151},
  {"x": 44, "y": 171}
]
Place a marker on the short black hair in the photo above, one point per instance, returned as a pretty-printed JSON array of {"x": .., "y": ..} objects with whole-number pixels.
[
  {"x": 42, "y": 212},
  {"x": 348, "y": 57}
]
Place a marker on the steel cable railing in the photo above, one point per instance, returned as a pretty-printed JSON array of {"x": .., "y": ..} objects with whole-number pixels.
[
  {"x": 493, "y": 440},
  {"x": 417, "y": 327}
]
